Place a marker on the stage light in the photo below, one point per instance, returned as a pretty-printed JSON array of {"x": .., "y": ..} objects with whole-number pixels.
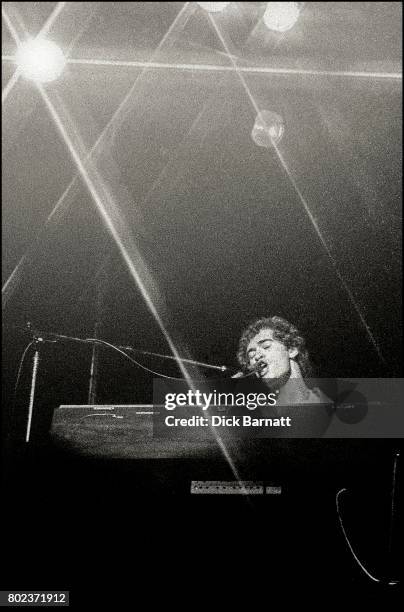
[
  {"x": 40, "y": 60},
  {"x": 213, "y": 7},
  {"x": 268, "y": 129},
  {"x": 282, "y": 16}
]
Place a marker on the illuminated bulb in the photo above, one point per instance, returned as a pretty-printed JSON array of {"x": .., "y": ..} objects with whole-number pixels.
[
  {"x": 213, "y": 7},
  {"x": 268, "y": 129},
  {"x": 281, "y": 16},
  {"x": 40, "y": 60}
]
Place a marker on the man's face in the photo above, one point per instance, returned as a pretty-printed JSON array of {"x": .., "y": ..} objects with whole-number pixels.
[{"x": 274, "y": 357}]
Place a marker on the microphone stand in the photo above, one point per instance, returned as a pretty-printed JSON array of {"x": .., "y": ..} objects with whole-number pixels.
[
  {"x": 39, "y": 337},
  {"x": 202, "y": 364},
  {"x": 101, "y": 291},
  {"x": 53, "y": 337},
  {"x": 32, "y": 391}
]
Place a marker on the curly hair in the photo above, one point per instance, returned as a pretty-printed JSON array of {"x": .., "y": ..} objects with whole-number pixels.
[{"x": 283, "y": 331}]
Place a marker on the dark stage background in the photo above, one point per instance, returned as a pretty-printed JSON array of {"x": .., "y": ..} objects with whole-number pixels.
[{"x": 219, "y": 235}]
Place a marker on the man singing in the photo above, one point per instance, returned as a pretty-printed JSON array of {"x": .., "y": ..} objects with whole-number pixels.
[{"x": 276, "y": 351}]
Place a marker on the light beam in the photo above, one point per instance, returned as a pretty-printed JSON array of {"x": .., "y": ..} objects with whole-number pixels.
[
  {"x": 110, "y": 215},
  {"x": 305, "y": 206},
  {"x": 10, "y": 26},
  {"x": 111, "y": 218},
  {"x": 10, "y": 84},
  {"x": 15, "y": 277},
  {"x": 242, "y": 69}
]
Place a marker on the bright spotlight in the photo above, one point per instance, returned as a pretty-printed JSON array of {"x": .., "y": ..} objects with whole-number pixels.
[
  {"x": 282, "y": 16},
  {"x": 213, "y": 7},
  {"x": 268, "y": 129},
  {"x": 40, "y": 60}
]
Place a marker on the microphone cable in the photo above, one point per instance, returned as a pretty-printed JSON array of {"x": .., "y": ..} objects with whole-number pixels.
[{"x": 363, "y": 568}]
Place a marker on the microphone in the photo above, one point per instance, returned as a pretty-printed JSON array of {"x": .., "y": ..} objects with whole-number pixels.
[
  {"x": 254, "y": 370},
  {"x": 40, "y": 336}
]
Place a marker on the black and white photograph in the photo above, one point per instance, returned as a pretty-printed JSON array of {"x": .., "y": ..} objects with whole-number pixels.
[{"x": 203, "y": 385}]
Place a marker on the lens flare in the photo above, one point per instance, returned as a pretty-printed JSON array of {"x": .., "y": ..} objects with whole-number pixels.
[
  {"x": 268, "y": 129},
  {"x": 281, "y": 16},
  {"x": 40, "y": 60}
]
